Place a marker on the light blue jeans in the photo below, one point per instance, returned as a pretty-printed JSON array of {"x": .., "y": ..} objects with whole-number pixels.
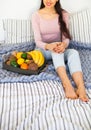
[{"x": 70, "y": 56}]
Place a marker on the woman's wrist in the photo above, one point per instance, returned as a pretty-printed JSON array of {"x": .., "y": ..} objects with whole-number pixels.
[
  {"x": 46, "y": 46},
  {"x": 65, "y": 45}
]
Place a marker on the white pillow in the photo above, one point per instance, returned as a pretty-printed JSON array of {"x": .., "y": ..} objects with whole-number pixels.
[
  {"x": 2, "y": 37},
  {"x": 80, "y": 26}
]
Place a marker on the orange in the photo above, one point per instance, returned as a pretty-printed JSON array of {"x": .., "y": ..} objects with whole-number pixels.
[{"x": 24, "y": 66}]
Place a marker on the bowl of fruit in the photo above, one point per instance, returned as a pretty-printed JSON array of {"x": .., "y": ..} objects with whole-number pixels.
[{"x": 31, "y": 62}]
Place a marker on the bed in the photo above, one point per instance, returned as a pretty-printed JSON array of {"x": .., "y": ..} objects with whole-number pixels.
[{"x": 37, "y": 102}]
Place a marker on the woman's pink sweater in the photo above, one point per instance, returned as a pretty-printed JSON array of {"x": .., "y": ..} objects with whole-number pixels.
[{"x": 47, "y": 30}]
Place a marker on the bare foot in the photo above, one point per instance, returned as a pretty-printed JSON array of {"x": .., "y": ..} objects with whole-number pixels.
[
  {"x": 70, "y": 93},
  {"x": 82, "y": 94}
]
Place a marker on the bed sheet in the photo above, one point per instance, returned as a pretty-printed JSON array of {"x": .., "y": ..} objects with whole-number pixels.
[{"x": 41, "y": 105}]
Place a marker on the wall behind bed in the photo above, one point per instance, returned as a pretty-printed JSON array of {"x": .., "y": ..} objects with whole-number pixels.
[{"x": 22, "y": 9}]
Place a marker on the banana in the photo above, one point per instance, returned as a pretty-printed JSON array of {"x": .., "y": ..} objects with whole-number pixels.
[
  {"x": 29, "y": 52},
  {"x": 37, "y": 57},
  {"x": 41, "y": 59},
  {"x": 33, "y": 55}
]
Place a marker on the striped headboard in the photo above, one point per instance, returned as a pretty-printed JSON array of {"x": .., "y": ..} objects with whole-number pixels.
[{"x": 17, "y": 31}]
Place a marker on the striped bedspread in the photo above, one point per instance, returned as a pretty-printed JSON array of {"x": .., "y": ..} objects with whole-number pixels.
[{"x": 41, "y": 105}]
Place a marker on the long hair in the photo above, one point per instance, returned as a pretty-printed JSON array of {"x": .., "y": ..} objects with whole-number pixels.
[{"x": 63, "y": 28}]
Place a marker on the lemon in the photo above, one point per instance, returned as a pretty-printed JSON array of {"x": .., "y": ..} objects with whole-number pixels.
[
  {"x": 20, "y": 61},
  {"x": 18, "y": 55}
]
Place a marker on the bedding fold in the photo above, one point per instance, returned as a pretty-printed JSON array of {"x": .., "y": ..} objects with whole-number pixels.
[{"x": 49, "y": 72}]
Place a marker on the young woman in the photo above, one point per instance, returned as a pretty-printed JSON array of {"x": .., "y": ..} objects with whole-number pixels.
[{"x": 50, "y": 26}]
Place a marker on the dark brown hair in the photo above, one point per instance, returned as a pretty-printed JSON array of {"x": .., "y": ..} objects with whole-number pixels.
[{"x": 63, "y": 28}]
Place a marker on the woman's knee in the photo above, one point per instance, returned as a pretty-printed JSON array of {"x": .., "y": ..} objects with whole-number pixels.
[
  {"x": 73, "y": 57},
  {"x": 74, "y": 62},
  {"x": 58, "y": 59},
  {"x": 73, "y": 53}
]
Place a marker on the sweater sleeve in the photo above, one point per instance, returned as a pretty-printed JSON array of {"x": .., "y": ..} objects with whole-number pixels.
[
  {"x": 66, "y": 19},
  {"x": 36, "y": 30}
]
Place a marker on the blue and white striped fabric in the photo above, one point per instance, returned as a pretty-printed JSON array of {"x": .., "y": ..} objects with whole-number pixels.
[
  {"x": 17, "y": 30},
  {"x": 41, "y": 105},
  {"x": 80, "y": 26}
]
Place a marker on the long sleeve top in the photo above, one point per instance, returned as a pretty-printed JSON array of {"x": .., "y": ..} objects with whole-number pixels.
[{"x": 47, "y": 30}]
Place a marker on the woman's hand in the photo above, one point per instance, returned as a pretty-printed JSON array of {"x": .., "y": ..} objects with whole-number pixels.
[
  {"x": 51, "y": 46},
  {"x": 60, "y": 48}
]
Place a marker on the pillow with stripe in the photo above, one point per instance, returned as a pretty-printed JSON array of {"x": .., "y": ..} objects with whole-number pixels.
[
  {"x": 80, "y": 26},
  {"x": 2, "y": 33},
  {"x": 18, "y": 30}
]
